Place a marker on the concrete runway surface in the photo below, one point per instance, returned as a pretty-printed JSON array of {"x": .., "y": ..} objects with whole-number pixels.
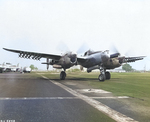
[{"x": 28, "y": 98}]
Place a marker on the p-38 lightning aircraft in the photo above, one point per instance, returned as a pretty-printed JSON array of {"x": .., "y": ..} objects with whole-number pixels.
[{"x": 91, "y": 60}]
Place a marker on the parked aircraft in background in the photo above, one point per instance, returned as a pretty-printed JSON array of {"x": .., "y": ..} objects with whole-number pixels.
[
  {"x": 1, "y": 68},
  {"x": 7, "y": 67},
  {"x": 25, "y": 70},
  {"x": 91, "y": 60}
]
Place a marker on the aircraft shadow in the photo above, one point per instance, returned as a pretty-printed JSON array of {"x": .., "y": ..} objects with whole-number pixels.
[{"x": 84, "y": 79}]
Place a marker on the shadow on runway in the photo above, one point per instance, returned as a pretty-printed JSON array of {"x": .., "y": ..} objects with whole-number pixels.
[{"x": 84, "y": 79}]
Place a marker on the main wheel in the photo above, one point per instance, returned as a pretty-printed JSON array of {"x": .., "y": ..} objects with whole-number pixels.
[
  {"x": 101, "y": 77},
  {"x": 108, "y": 76},
  {"x": 62, "y": 75}
]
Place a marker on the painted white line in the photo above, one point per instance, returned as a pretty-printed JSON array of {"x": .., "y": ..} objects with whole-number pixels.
[
  {"x": 39, "y": 98},
  {"x": 92, "y": 91},
  {"x": 98, "y": 105},
  {"x": 71, "y": 84},
  {"x": 120, "y": 97},
  {"x": 45, "y": 77},
  {"x": 55, "y": 98}
]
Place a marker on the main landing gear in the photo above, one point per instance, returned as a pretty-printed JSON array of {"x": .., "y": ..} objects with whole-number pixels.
[
  {"x": 62, "y": 75},
  {"x": 104, "y": 75}
]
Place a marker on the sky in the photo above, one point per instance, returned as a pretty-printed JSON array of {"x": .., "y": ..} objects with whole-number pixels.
[{"x": 43, "y": 25}]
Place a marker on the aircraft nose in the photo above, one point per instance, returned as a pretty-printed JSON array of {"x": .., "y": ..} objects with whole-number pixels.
[{"x": 73, "y": 58}]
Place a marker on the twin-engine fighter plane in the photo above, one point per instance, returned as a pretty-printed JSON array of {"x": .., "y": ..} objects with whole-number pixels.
[{"x": 91, "y": 60}]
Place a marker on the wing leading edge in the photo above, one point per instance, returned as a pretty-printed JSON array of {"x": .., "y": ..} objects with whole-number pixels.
[
  {"x": 33, "y": 55},
  {"x": 133, "y": 59}
]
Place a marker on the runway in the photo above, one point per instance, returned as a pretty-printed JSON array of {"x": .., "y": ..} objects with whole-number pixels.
[{"x": 26, "y": 97}]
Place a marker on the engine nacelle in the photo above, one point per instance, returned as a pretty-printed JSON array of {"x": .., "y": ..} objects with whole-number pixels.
[
  {"x": 57, "y": 66},
  {"x": 92, "y": 68},
  {"x": 52, "y": 62},
  {"x": 73, "y": 58},
  {"x": 112, "y": 63}
]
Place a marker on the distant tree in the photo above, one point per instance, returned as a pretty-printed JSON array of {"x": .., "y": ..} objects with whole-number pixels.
[
  {"x": 36, "y": 68},
  {"x": 127, "y": 67},
  {"x": 33, "y": 67}
]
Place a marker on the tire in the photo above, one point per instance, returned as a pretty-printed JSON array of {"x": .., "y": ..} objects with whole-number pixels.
[
  {"x": 108, "y": 76},
  {"x": 62, "y": 75},
  {"x": 101, "y": 77}
]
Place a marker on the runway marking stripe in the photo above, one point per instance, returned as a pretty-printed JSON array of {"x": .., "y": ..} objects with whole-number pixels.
[
  {"x": 98, "y": 105},
  {"x": 38, "y": 98},
  {"x": 59, "y": 98},
  {"x": 92, "y": 91},
  {"x": 120, "y": 97}
]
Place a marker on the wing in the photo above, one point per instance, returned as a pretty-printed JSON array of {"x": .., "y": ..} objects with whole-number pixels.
[
  {"x": 34, "y": 55},
  {"x": 82, "y": 60},
  {"x": 133, "y": 59}
]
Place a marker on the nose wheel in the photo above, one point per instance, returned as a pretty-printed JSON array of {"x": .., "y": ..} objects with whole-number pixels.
[{"x": 62, "y": 75}]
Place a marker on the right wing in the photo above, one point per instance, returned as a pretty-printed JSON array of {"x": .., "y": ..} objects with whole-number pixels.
[
  {"x": 82, "y": 60},
  {"x": 133, "y": 59},
  {"x": 34, "y": 55}
]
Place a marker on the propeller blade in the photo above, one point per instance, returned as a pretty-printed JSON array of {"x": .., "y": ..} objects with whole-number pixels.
[
  {"x": 47, "y": 63},
  {"x": 81, "y": 68},
  {"x": 62, "y": 47},
  {"x": 113, "y": 49},
  {"x": 84, "y": 47}
]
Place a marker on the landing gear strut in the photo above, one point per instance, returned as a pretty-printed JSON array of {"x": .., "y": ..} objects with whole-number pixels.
[
  {"x": 62, "y": 75},
  {"x": 104, "y": 75}
]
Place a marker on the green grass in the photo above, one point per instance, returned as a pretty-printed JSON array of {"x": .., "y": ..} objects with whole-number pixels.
[{"x": 134, "y": 85}]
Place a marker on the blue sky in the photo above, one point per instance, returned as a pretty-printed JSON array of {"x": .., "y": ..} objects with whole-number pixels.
[{"x": 42, "y": 25}]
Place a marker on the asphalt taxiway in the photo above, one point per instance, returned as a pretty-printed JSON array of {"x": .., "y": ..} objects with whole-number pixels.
[{"x": 25, "y": 97}]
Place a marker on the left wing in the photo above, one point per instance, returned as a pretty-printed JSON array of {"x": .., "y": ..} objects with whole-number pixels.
[{"x": 34, "y": 55}]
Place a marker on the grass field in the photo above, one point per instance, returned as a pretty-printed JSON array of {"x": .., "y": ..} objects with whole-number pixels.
[{"x": 134, "y": 85}]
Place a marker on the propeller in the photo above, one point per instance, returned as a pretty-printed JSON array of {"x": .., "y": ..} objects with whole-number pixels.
[
  {"x": 62, "y": 47},
  {"x": 81, "y": 68},
  {"x": 83, "y": 48},
  {"x": 47, "y": 60},
  {"x": 114, "y": 51}
]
